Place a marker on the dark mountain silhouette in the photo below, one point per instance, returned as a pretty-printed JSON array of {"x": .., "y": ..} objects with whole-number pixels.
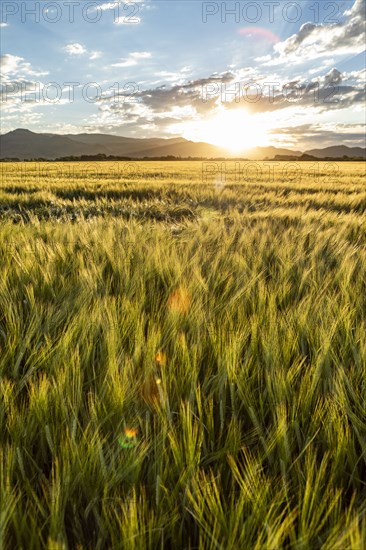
[
  {"x": 26, "y": 145},
  {"x": 338, "y": 151}
]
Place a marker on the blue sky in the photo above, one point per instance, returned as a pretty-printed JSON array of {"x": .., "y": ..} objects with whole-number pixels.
[{"x": 293, "y": 73}]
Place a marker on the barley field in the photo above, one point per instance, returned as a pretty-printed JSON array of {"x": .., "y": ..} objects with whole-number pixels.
[{"x": 183, "y": 356}]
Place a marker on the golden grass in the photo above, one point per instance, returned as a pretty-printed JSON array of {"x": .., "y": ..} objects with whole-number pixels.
[{"x": 182, "y": 358}]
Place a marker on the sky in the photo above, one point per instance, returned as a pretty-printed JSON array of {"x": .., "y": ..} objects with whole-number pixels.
[{"x": 236, "y": 74}]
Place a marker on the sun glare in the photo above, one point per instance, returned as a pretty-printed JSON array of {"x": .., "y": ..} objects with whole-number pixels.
[{"x": 235, "y": 130}]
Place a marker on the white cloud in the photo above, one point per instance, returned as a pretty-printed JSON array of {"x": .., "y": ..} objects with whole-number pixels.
[
  {"x": 78, "y": 49},
  {"x": 314, "y": 41},
  {"x": 15, "y": 65},
  {"x": 140, "y": 55},
  {"x": 358, "y": 76},
  {"x": 2, "y": 25},
  {"x": 116, "y": 4},
  {"x": 123, "y": 20},
  {"x": 107, "y": 6},
  {"x": 168, "y": 76},
  {"x": 10, "y": 63},
  {"x": 263, "y": 58},
  {"x": 132, "y": 59},
  {"x": 22, "y": 89},
  {"x": 124, "y": 13},
  {"x": 75, "y": 49},
  {"x": 325, "y": 64}
]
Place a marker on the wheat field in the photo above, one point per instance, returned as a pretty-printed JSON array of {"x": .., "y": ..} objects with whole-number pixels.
[{"x": 183, "y": 356}]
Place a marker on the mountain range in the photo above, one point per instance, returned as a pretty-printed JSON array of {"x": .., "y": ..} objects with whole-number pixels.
[{"x": 25, "y": 145}]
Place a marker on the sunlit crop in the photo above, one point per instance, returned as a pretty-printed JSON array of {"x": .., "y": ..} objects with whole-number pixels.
[{"x": 183, "y": 356}]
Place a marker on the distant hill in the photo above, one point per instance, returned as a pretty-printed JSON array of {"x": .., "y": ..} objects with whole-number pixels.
[
  {"x": 26, "y": 145},
  {"x": 337, "y": 151}
]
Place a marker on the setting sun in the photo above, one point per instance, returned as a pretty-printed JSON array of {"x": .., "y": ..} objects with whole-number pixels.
[{"x": 235, "y": 130}]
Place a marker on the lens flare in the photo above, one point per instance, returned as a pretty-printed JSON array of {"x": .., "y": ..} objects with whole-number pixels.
[
  {"x": 130, "y": 433},
  {"x": 259, "y": 33},
  {"x": 160, "y": 358},
  {"x": 129, "y": 438}
]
